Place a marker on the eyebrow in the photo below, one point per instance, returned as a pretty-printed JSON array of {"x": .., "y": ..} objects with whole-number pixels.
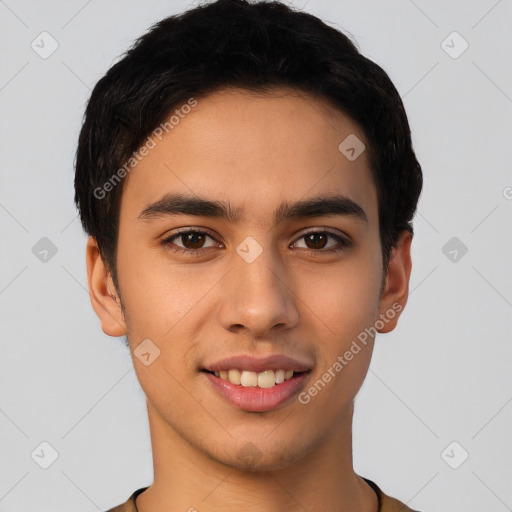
[{"x": 320, "y": 206}]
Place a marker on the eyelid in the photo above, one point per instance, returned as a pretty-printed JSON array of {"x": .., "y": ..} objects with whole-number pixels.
[
  {"x": 189, "y": 229},
  {"x": 344, "y": 240},
  {"x": 329, "y": 231}
]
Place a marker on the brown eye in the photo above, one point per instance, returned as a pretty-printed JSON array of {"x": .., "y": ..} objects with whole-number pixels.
[
  {"x": 191, "y": 241},
  {"x": 316, "y": 242},
  {"x": 195, "y": 239}
]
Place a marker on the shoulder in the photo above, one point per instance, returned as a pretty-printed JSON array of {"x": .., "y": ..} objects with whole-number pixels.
[
  {"x": 387, "y": 503},
  {"x": 129, "y": 504}
]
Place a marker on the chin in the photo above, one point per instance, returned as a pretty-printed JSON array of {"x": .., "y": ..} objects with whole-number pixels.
[{"x": 259, "y": 459}]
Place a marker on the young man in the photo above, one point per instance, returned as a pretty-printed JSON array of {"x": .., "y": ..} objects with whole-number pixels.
[{"x": 247, "y": 181}]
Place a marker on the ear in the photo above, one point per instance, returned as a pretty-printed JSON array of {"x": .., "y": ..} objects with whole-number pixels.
[
  {"x": 396, "y": 288},
  {"x": 101, "y": 292}
]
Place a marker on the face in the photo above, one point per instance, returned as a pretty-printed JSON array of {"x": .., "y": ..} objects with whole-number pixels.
[{"x": 268, "y": 280}]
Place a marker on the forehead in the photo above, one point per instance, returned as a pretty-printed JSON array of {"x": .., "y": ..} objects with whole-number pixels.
[{"x": 254, "y": 151}]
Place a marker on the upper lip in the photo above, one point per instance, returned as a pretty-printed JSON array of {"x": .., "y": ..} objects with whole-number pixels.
[{"x": 258, "y": 364}]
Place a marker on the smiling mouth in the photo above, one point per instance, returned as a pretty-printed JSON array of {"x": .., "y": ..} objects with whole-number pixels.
[{"x": 265, "y": 379}]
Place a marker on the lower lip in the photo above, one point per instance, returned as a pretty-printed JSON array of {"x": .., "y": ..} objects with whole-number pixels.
[{"x": 256, "y": 399}]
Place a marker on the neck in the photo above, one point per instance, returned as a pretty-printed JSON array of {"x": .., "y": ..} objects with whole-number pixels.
[{"x": 188, "y": 479}]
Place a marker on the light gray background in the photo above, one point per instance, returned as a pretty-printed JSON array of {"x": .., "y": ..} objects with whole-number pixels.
[{"x": 443, "y": 375}]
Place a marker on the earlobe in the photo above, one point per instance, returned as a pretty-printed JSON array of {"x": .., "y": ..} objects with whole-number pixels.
[
  {"x": 396, "y": 289},
  {"x": 104, "y": 301}
]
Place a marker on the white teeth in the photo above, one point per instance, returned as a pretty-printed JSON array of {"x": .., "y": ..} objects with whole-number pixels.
[
  {"x": 265, "y": 379},
  {"x": 249, "y": 379},
  {"x": 279, "y": 376},
  {"x": 234, "y": 376}
]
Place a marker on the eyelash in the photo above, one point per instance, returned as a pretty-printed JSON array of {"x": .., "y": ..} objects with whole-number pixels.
[{"x": 197, "y": 252}]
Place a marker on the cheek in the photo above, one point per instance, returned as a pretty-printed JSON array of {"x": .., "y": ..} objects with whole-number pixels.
[
  {"x": 157, "y": 294},
  {"x": 345, "y": 306},
  {"x": 344, "y": 312},
  {"x": 345, "y": 298}
]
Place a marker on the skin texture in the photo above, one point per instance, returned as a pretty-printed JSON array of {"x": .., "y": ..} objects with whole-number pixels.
[{"x": 254, "y": 151}]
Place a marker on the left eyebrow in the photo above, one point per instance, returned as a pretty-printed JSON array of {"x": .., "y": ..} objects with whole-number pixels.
[{"x": 320, "y": 206}]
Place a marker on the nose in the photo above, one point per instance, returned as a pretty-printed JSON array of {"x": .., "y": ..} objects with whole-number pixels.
[{"x": 258, "y": 297}]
